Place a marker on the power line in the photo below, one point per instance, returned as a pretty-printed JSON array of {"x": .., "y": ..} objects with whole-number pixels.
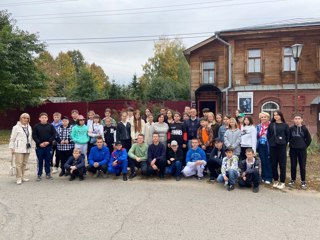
[
  {"x": 124, "y": 37},
  {"x": 34, "y": 3},
  {"x": 156, "y": 11},
  {"x": 124, "y": 41}
]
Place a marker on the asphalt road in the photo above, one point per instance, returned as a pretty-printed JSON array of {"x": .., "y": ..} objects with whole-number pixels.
[{"x": 151, "y": 209}]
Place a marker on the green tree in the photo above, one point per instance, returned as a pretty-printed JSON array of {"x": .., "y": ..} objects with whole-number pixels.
[
  {"x": 22, "y": 83},
  {"x": 85, "y": 90},
  {"x": 169, "y": 67},
  {"x": 135, "y": 89}
]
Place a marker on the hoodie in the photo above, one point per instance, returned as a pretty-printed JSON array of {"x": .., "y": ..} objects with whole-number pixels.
[
  {"x": 195, "y": 155},
  {"x": 299, "y": 137},
  {"x": 249, "y": 137},
  {"x": 232, "y": 138}
]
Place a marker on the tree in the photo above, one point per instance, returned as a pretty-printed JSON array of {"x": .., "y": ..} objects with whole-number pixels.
[
  {"x": 101, "y": 80},
  {"x": 22, "y": 83},
  {"x": 85, "y": 90},
  {"x": 135, "y": 89},
  {"x": 169, "y": 67}
]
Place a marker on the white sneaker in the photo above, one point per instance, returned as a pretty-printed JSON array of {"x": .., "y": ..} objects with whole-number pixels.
[
  {"x": 275, "y": 184},
  {"x": 267, "y": 182},
  {"x": 281, "y": 186},
  {"x": 25, "y": 179},
  {"x": 55, "y": 170},
  {"x": 19, "y": 181}
]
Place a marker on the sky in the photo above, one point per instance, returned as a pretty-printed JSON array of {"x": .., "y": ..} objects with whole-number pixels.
[{"x": 119, "y": 35}]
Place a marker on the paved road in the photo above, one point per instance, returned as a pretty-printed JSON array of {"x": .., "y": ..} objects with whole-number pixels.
[{"x": 151, "y": 209}]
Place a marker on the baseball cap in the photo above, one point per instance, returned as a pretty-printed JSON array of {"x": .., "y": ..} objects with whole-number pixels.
[
  {"x": 174, "y": 143},
  {"x": 118, "y": 143},
  {"x": 80, "y": 117}
]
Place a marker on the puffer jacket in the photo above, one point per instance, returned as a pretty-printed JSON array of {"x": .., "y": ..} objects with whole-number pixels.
[{"x": 19, "y": 140}]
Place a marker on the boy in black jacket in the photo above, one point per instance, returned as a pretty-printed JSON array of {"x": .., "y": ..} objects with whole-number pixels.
[
  {"x": 174, "y": 160},
  {"x": 75, "y": 165},
  {"x": 250, "y": 171},
  {"x": 215, "y": 159},
  {"x": 299, "y": 141},
  {"x": 44, "y": 134},
  {"x": 109, "y": 134}
]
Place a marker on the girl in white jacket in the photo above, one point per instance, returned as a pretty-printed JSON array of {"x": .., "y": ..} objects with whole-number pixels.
[
  {"x": 248, "y": 136},
  {"x": 20, "y": 145}
]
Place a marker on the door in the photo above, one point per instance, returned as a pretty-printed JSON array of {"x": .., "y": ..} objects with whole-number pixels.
[{"x": 206, "y": 104}]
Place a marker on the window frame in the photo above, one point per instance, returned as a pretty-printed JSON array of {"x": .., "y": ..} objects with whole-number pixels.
[
  {"x": 208, "y": 70},
  {"x": 254, "y": 61},
  {"x": 270, "y": 111},
  {"x": 292, "y": 65}
]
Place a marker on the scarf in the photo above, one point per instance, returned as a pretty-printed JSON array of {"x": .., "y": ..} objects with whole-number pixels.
[{"x": 264, "y": 128}]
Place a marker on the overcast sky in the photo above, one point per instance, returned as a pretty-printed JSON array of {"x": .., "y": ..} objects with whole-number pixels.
[{"x": 115, "y": 20}]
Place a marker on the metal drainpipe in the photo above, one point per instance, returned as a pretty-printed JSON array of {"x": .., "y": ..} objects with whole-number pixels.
[{"x": 229, "y": 70}]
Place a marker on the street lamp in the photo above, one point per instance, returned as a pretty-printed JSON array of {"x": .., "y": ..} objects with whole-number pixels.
[{"x": 296, "y": 52}]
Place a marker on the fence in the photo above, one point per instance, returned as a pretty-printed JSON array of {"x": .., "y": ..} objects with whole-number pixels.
[{"x": 11, "y": 117}]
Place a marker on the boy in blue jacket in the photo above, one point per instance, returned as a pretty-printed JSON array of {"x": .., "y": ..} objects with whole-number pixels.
[
  {"x": 119, "y": 161},
  {"x": 196, "y": 160},
  {"x": 75, "y": 165},
  {"x": 99, "y": 158}
]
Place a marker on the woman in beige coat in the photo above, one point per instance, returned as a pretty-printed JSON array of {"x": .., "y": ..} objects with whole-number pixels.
[{"x": 20, "y": 145}]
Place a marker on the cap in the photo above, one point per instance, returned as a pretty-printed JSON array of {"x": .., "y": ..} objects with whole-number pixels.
[
  {"x": 80, "y": 117},
  {"x": 218, "y": 140},
  {"x": 64, "y": 117},
  {"x": 241, "y": 115},
  {"x": 118, "y": 143},
  {"x": 174, "y": 143},
  {"x": 229, "y": 149}
]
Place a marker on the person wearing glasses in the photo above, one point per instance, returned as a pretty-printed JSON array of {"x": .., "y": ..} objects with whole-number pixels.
[{"x": 20, "y": 145}]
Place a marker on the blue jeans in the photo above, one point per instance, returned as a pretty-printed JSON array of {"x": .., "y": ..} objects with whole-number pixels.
[
  {"x": 174, "y": 169},
  {"x": 266, "y": 164},
  {"x": 122, "y": 167},
  {"x": 44, "y": 154},
  {"x": 232, "y": 176}
]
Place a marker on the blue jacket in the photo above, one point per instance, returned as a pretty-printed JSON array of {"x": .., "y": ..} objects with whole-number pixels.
[
  {"x": 195, "y": 155},
  {"x": 79, "y": 163},
  {"x": 120, "y": 155},
  {"x": 102, "y": 156}
]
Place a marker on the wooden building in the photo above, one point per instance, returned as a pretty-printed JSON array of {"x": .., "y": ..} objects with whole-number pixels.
[{"x": 252, "y": 69}]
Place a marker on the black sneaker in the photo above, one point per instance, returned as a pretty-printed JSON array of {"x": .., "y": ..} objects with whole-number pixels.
[
  {"x": 291, "y": 184},
  {"x": 124, "y": 177},
  {"x": 230, "y": 187},
  {"x": 303, "y": 185},
  {"x": 117, "y": 174},
  {"x": 212, "y": 179},
  {"x": 38, "y": 178},
  {"x": 61, "y": 174},
  {"x": 132, "y": 175},
  {"x": 49, "y": 177},
  {"x": 255, "y": 189},
  {"x": 178, "y": 178},
  {"x": 97, "y": 174},
  {"x": 81, "y": 178},
  {"x": 66, "y": 174},
  {"x": 72, "y": 178}
]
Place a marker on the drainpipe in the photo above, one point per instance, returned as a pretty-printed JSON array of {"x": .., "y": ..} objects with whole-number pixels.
[{"x": 229, "y": 70}]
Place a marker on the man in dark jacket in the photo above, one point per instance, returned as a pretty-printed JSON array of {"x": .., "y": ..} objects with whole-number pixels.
[
  {"x": 299, "y": 141},
  {"x": 192, "y": 125},
  {"x": 250, "y": 171},
  {"x": 215, "y": 159},
  {"x": 75, "y": 165},
  {"x": 174, "y": 160},
  {"x": 157, "y": 156},
  {"x": 44, "y": 134}
]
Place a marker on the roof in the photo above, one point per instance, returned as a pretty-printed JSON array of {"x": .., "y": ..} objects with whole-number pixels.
[
  {"x": 291, "y": 23},
  {"x": 198, "y": 45}
]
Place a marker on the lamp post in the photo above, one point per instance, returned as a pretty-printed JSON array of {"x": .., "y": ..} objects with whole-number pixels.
[{"x": 296, "y": 52}]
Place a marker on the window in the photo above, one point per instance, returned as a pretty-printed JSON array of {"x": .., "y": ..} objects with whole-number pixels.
[
  {"x": 208, "y": 72},
  {"x": 288, "y": 61},
  {"x": 270, "y": 107},
  {"x": 254, "y": 61}
]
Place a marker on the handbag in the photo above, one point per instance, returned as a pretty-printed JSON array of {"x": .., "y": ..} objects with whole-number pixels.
[{"x": 278, "y": 139}]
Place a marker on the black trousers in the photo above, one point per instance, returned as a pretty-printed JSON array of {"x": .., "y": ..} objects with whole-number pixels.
[
  {"x": 298, "y": 155},
  {"x": 214, "y": 167},
  {"x": 144, "y": 165},
  {"x": 251, "y": 178},
  {"x": 278, "y": 156},
  {"x": 63, "y": 156},
  {"x": 243, "y": 153},
  {"x": 77, "y": 173},
  {"x": 126, "y": 144},
  {"x": 161, "y": 164},
  {"x": 103, "y": 168}
]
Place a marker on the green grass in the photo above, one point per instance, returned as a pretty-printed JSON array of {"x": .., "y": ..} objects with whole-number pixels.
[{"x": 4, "y": 136}]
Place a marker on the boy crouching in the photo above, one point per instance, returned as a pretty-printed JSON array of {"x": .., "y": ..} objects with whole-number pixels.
[
  {"x": 119, "y": 161},
  {"x": 250, "y": 169},
  {"x": 75, "y": 165}
]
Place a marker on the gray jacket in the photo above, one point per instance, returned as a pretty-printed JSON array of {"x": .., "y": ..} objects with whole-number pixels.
[{"x": 232, "y": 139}]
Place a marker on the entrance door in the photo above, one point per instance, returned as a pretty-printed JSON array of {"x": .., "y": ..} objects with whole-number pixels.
[{"x": 206, "y": 104}]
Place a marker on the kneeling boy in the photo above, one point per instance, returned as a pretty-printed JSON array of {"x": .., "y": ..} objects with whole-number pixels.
[
  {"x": 75, "y": 165},
  {"x": 250, "y": 169},
  {"x": 229, "y": 169},
  {"x": 119, "y": 161}
]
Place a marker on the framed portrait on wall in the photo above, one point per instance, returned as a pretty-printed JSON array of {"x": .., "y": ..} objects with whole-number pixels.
[{"x": 245, "y": 102}]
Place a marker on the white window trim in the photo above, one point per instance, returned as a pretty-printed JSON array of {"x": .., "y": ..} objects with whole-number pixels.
[{"x": 269, "y": 110}]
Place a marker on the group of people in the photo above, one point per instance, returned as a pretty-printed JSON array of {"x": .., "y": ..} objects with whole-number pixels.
[{"x": 228, "y": 149}]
